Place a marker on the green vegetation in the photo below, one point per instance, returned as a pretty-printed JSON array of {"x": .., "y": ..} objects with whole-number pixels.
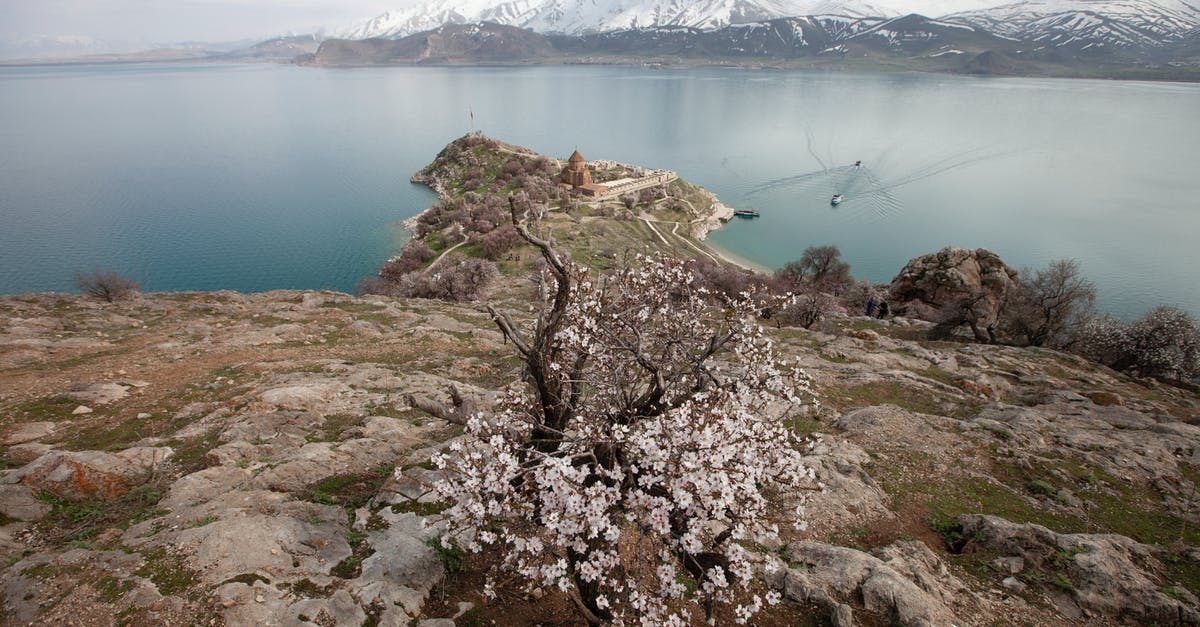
[
  {"x": 453, "y": 557},
  {"x": 906, "y": 397},
  {"x": 333, "y": 426},
  {"x": 167, "y": 572}
]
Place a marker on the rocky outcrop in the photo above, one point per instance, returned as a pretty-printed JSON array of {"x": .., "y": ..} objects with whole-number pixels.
[
  {"x": 91, "y": 474},
  {"x": 905, "y": 581},
  {"x": 954, "y": 282},
  {"x": 1108, "y": 575}
]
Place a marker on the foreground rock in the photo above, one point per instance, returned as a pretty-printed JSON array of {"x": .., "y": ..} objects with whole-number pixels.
[
  {"x": 1096, "y": 575},
  {"x": 248, "y": 476},
  {"x": 905, "y": 581}
]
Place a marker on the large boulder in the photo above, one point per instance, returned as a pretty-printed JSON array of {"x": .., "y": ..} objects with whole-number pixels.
[
  {"x": 930, "y": 285},
  {"x": 1104, "y": 574},
  {"x": 906, "y": 581},
  {"x": 91, "y": 474}
]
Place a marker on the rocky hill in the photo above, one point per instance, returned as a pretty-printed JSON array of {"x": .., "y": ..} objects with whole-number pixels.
[
  {"x": 910, "y": 42},
  {"x": 224, "y": 458}
]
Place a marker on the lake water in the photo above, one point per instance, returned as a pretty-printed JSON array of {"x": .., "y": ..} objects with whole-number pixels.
[{"x": 255, "y": 177}]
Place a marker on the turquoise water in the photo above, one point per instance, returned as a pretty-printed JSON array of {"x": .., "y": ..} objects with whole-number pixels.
[{"x": 261, "y": 177}]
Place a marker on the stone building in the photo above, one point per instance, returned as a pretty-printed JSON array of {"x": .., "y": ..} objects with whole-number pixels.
[
  {"x": 576, "y": 173},
  {"x": 578, "y": 178}
]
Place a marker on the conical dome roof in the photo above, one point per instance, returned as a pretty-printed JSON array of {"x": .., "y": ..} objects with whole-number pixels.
[{"x": 576, "y": 158}]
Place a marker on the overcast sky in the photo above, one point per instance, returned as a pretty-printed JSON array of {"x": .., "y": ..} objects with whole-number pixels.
[{"x": 180, "y": 20}]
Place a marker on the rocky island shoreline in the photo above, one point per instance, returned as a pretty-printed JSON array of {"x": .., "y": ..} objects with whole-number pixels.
[{"x": 226, "y": 458}]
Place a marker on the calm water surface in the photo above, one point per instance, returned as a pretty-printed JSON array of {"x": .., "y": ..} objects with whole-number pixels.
[{"x": 261, "y": 177}]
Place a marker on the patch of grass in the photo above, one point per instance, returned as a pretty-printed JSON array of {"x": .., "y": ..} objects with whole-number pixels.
[
  {"x": 112, "y": 589},
  {"x": 167, "y": 572},
  {"x": 190, "y": 453},
  {"x": 1182, "y": 571},
  {"x": 333, "y": 426},
  {"x": 207, "y": 520},
  {"x": 110, "y": 437},
  {"x": 419, "y": 508},
  {"x": 268, "y": 320},
  {"x": 802, "y": 426},
  {"x": 939, "y": 375},
  {"x": 1115, "y": 505},
  {"x": 355, "y": 538},
  {"x": 350, "y": 491},
  {"x": 305, "y": 588},
  {"x": 1042, "y": 488},
  {"x": 46, "y": 409},
  {"x": 895, "y": 393},
  {"x": 350, "y": 567},
  {"x": 453, "y": 557},
  {"x": 74, "y": 520}
]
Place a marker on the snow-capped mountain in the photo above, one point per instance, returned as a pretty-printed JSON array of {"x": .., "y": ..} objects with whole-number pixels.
[
  {"x": 1069, "y": 24},
  {"x": 59, "y": 46},
  {"x": 575, "y": 17},
  {"x": 1082, "y": 24}
]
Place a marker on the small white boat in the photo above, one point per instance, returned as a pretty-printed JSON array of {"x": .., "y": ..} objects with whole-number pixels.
[{"x": 836, "y": 200}]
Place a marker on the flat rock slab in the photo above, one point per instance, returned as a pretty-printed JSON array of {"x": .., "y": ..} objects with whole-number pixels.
[
  {"x": 90, "y": 474},
  {"x": 99, "y": 393},
  {"x": 303, "y": 396},
  {"x": 30, "y": 432},
  {"x": 18, "y": 502}
]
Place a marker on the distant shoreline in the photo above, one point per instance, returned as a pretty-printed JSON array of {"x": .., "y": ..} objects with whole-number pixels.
[{"x": 1133, "y": 74}]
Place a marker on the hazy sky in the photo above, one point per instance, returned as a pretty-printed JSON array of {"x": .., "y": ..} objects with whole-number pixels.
[{"x": 180, "y": 20}]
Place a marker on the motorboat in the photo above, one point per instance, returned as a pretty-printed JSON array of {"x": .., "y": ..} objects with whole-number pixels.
[
  {"x": 858, "y": 164},
  {"x": 746, "y": 213},
  {"x": 836, "y": 200}
]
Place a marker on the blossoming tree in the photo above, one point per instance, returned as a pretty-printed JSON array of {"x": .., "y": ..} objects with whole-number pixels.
[{"x": 642, "y": 450}]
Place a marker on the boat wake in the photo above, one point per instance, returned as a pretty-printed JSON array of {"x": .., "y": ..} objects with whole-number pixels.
[{"x": 866, "y": 194}]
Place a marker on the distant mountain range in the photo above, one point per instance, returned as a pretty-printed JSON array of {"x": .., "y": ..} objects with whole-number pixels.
[
  {"x": 1049, "y": 22},
  {"x": 1100, "y": 38},
  {"x": 1122, "y": 38}
]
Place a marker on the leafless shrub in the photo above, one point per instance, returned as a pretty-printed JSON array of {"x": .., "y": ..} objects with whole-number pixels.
[
  {"x": 807, "y": 309},
  {"x": 498, "y": 241},
  {"x": 854, "y": 298},
  {"x": 105, "y": 284},
  {"x": 820, "y": 267},
  {"x": 1049, "y": 301}
]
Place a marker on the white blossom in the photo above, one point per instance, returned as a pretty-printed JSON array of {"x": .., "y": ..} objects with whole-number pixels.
[{"x": 658, "y": 443}]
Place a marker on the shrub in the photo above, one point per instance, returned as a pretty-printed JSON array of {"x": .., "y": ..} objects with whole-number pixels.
[
  {"x": 1047, "y": 303},
  {"x": 106, "y": 285},
  {"x": 626, "y": 446},
  {"x": 725, "y": 280},
  {"x": 455, "y": 277},
  {"x": 807, "y": 309},
  {"x": 820, "y": 267},
  {"x": 499, "y": 241},
  {"x": 1164, "y": 343}
]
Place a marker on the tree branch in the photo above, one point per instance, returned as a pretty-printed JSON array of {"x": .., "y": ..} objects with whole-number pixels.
[{"x": 458, "y": 412}]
